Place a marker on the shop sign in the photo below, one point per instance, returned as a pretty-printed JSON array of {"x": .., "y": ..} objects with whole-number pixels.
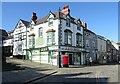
[
  {"x": 53, "y": 48},
  {"x": 71, "y": 48},
  {"x": 44, "y": 49}
]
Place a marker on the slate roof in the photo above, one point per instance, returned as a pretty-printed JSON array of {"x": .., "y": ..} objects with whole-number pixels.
[
  {"x": 43, "y": 19},
  {"x": 26, "y": 23}
]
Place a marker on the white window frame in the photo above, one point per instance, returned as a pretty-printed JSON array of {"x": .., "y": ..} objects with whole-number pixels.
[
  {"x": 50, "y": 37},
  {"x": 40, "y": 32},
  {"x": 50, "y": 22}
]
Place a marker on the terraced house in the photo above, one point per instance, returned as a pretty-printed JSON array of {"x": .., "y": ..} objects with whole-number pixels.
[
  {"x": 53, "y": 36},
  {"x": 90, "y": 44}
]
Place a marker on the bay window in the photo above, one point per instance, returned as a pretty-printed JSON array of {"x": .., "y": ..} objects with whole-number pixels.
[
  {"x": 50, "y": 37},
  {"x": 32, "y": 40}
]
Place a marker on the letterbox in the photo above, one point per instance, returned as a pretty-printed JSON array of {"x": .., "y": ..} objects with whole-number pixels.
[{"x": 65, "y": 61}]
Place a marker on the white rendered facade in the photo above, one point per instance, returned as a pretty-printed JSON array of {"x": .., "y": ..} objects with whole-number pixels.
[
  {"x": 46, "y": 49},
  {"x": 19, "y": 36}
]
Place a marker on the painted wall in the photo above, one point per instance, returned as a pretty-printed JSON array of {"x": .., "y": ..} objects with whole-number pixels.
[
  {"x": 73, "y": 28},
  {"x": 91, "y": 49},
  {"x": 19, "y": 43},
  {"x": 8, "y": 42}
]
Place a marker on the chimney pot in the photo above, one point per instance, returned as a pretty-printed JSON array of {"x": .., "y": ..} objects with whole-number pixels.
[{"x": 34, "y": 17}]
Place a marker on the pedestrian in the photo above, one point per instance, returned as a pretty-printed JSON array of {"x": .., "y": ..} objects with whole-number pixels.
[{"x": 90, "y": 60}]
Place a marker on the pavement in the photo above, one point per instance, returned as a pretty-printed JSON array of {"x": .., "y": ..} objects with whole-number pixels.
[
  {"x": 102, "y": 74},
  {"x": 25, "y": 71}
]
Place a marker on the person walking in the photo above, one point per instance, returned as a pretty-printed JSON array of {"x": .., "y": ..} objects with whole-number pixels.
[{"x": 90, "y": 60}]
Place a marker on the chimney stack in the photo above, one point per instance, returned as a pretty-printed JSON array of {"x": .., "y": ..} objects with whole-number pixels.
[
  {"x": 66, "y": 10},
  {"x": 84, "y": 24},
  {"x": 34, "y": 17}
]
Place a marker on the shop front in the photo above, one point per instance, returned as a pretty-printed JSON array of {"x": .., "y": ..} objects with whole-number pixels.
[{"x": 74, "y": 54}]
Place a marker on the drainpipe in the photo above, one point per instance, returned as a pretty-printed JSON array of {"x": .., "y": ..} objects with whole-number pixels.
[
  {"x": 59, "y": 56},
  {"x": 26, "y": 44}
]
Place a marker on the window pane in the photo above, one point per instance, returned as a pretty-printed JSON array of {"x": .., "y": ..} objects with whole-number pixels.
[
  {"x": 53, "y": 37},
  {"x": 49, "y": 38},
  {"x": 66, "y": 37},
  {"x": 32, "y": 28},
  {"x": 50, "y": 22},
  {"x": 78, "y": 26},
  {"x": 68, "y": 22},
  {"x": 69, "y": 38},
  {"x": 40, "y": 31}
]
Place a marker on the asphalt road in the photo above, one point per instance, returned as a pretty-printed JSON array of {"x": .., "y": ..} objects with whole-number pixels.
[{"x": 98, "y": 74}]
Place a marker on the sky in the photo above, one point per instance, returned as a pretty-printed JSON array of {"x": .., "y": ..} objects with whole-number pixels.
[{"x": 101, "y": 17}]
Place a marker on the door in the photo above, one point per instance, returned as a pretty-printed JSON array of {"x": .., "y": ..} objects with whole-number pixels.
[{"x": 70, "y": 59}]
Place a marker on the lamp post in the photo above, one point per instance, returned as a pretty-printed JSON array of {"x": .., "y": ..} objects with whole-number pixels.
[{"x": 26, "y": 43}]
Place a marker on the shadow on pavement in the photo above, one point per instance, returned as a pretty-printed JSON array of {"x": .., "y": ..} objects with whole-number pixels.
[
  {"x": 11, "y": 67},
  {"x": 73, "y": 79},
  {"x": 15, "y": 73}
]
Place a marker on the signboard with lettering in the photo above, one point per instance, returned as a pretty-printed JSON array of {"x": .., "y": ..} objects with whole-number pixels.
[{"x": 71, "y": 48}]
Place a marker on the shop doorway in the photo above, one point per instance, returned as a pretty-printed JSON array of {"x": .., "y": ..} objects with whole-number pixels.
[{"x": 70, "y": 59}]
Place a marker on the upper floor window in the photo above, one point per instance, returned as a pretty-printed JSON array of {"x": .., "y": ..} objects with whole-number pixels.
[
  {"x": 32, "y": 28},
  {"x": 87, "y": 43},
  {"x": 68, "y": 37},
  {"x": 4, "y": 42},
  {"x": 20, "y": 37},
  {"x": 40, "y": 32},
  {"x": 93, "y": 44},
  {"x": 50, "y": 22},
  {"x": 50, "y": 36},
  {"x": 93, "y": 36},
  {"x": 101, "y": 47},
  {"x": 78, "y": 26},
  {"x": 68, "y": 22},
  {"x": 87, "y": 34},
  {"x": 78, "y": 39},
  {"x": 32, "y": 40}
]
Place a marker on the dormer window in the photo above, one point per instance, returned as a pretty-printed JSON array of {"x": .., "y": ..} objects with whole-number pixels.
[
  {"x": 68, "y": 22},
  {"x": 50, "y": 22},
  {"x": 78, "y": 26}
]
